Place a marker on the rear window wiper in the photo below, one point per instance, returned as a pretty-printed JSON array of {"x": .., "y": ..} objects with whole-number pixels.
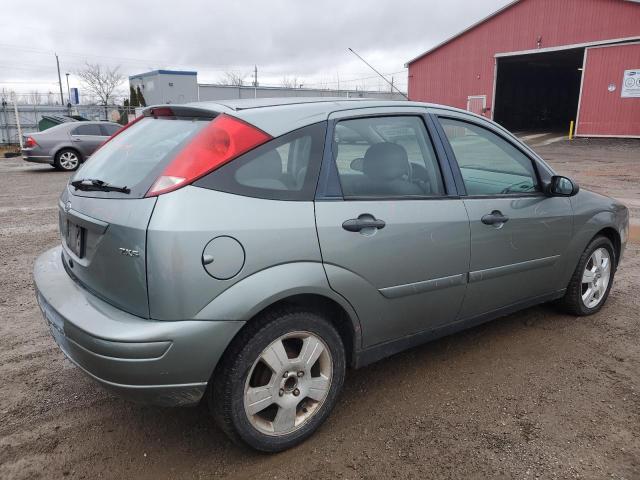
[{"x": 92, "y": 184}]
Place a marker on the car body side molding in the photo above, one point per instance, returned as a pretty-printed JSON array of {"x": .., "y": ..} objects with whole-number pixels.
[
  {"x": 424, "y": 286},
  {"x": 503, "y": 270},
  {"x": 461, "y": 278}
]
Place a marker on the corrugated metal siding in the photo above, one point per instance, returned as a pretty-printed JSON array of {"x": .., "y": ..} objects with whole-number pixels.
[
  {"x": 465, "y": 66},
  {"x": 603, "y": 112}
]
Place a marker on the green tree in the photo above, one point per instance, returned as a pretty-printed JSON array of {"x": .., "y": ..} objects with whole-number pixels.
[
  {"x": 124, "y": 112},
  {"x": 141, "y": 99},
  {"x": 133, "y": 97}
]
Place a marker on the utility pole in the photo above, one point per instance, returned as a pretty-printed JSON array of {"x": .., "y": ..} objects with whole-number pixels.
[
  {"x": 6, "y": 122},
  {"x": 59, "y": 80},
  {"x": 255, "y": 81},
  {"x": 17, "y": 114},
  {"x": 391, "y": 84}
]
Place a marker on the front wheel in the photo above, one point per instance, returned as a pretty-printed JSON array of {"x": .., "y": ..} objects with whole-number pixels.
[
  {"x": 279, "y": 380},
  {"x": 592, "y": 280}
]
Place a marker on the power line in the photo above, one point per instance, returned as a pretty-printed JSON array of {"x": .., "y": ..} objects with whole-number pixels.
[
  {"x": 379, "y": 74},
  {"x": 146, "y": 62}
]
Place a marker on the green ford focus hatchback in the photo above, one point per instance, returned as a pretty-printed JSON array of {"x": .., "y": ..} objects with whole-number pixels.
[{"x": 245, "y": 253}]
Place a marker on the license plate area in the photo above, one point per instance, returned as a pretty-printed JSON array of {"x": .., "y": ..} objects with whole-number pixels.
[{"x": 76, "y": 238}]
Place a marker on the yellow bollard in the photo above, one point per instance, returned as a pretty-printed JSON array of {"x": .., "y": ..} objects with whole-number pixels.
[{"x": 571, "y": 130}]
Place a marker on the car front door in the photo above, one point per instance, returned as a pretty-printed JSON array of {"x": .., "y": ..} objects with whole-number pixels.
[
  {"x": 393, "y": 234},
  {"x": 518, "y": 234},
  {"x": 87, "y": 138}
]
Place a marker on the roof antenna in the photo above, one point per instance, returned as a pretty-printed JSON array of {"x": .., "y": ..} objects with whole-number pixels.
[{"x": 382, "y": 76}]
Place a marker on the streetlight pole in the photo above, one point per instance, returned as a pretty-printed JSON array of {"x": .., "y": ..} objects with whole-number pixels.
[
  {"x": 68, "y": 89},
  {"x": 59, "y": 81}
]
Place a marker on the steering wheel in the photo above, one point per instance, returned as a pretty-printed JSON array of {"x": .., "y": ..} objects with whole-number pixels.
[
  {"x": 520, "y": 187},
  {"x": 419, "y": 175}
]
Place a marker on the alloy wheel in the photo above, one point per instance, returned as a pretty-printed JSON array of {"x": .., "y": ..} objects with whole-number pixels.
[
  {"x": 596, "y": 277},
  {"x": 69, "y": 160},
  {"x": 288, "y": 383}
]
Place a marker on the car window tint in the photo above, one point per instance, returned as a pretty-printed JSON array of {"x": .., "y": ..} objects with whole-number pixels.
[
  {"x": 490, "y": 165},
  {"x": 108, "y": 129},
  {"x": 286, "y": 168},
  {"x": 89, "y": 129},
  {"x": 138, "y": 155},
  {"x": 386, "y": 157}
]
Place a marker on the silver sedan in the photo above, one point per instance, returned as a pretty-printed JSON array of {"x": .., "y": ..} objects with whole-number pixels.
[{"x": 67, "y": 145}]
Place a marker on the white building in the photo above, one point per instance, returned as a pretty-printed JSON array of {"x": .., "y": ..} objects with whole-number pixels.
[
  {"x": 174, "y": 86},
  {"x": 166, "y": 86}
]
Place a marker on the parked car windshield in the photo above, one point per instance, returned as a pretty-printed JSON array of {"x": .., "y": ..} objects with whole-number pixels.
[{"x": 136, "y": 157}]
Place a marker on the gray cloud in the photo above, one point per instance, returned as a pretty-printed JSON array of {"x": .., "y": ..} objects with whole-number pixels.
[{"x": 304, "y": 39}]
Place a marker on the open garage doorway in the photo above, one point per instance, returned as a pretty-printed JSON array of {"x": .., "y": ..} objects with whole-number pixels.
[{"x": 538, "y": 92}]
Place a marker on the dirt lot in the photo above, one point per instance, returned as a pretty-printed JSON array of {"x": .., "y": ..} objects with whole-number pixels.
[{"x": 535, "y": 395}]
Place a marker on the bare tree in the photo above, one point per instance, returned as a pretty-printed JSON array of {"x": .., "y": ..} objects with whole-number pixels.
[
  {"x": 323, "y": 83},
  {"x": 291, "y": 82},
  {"x": 237, "y": 79},
  {"x": 34, "y": 98},
  {"x": 101, "y": 81}
]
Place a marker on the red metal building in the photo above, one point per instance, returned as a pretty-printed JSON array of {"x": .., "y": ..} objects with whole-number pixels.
[{"x": 539, "y": 64}]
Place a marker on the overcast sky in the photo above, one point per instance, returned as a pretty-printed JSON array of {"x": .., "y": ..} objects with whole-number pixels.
[{"x": 293, "y": 38}]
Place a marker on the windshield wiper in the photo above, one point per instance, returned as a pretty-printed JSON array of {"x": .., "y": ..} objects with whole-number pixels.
[{"x": 92, "y": 184}]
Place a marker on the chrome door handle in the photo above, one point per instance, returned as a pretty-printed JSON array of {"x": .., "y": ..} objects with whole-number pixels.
[
  {"x": 495, "y": 218},
  {"x": 363, "y": 222}
]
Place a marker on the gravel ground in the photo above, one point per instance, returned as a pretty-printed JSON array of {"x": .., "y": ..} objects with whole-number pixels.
[{"x": 537, "y": 394}]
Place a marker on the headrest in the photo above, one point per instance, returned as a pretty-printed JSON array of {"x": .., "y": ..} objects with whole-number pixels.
[{"x": 385, "y": 161}]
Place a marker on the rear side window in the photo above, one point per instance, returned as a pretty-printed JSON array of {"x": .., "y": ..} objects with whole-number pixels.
[
  {"x": 136, "y": 157},
  {"x": 286, "y": 168},
  {"x": 90, "y": 129},
  {"x": 108, "y": 129}
]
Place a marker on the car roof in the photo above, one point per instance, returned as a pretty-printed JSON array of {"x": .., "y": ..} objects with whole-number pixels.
[
  {"x": 277, "y": 116},
  {"x": 89, "y": 122},
  {"x": 63, "y": 127}
]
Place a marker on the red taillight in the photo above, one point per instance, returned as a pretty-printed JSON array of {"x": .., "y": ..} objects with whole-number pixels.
[
  {"x": 222, "y": 140},
  {"x": 30, "y": 142}
]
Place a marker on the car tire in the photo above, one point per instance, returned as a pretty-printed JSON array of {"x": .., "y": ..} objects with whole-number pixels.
[
  {"x": 592, "y": 279},
  {"x": 278, "y": 380},
  {"x": 67, "y": 160}
]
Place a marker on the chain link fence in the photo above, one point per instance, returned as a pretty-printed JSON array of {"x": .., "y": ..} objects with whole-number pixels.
[{"x": 28, "y": 117}]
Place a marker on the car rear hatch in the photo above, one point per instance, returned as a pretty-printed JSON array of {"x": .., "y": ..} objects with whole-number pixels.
[{"x": 106, "y": 208}]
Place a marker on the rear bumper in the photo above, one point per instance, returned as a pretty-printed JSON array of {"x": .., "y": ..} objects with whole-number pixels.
[
  {"x": 29, "y": 155},
  {"x": 160, "y": 362}
]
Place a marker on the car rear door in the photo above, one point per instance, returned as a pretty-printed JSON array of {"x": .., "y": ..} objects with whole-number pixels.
[
  {"x": 87, "y": 138},
  {"x": 393, "y": 234},
  {"x": 518, "y": 234}
]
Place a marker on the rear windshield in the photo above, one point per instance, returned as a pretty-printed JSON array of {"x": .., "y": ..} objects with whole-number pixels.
[{"x": 136, "y": 157}]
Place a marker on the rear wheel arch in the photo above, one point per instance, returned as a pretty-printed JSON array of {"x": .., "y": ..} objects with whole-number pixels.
[
  {"x": 328, "y": 308},
  {"x": 332, "y": 311},
  {"x": 72, "y": 148}
]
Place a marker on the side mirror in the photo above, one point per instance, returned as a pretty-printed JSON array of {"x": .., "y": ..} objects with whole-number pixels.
[{"x": 562, "y": 187}]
